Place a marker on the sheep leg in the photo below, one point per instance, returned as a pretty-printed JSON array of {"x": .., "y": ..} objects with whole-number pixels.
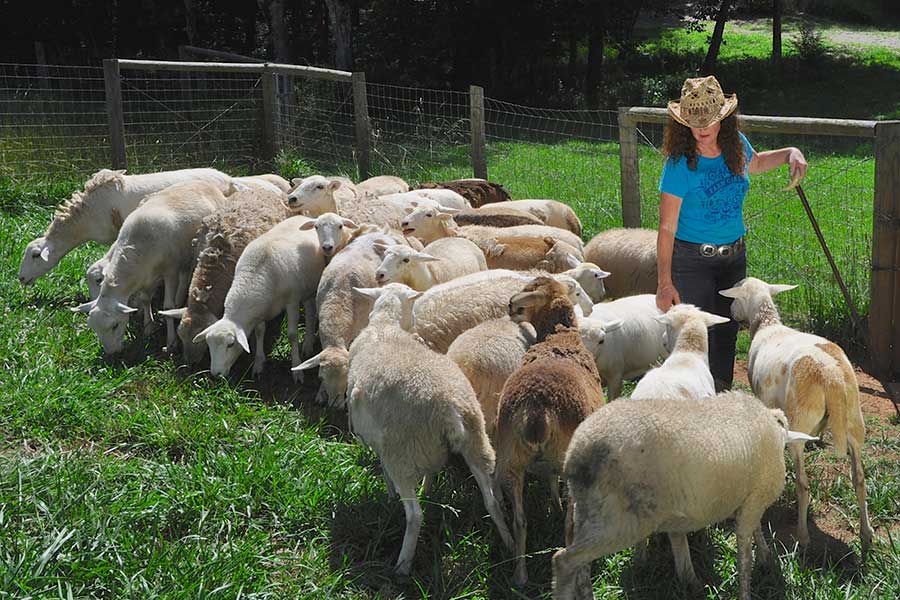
[
  {"x": 388, "y": 484},
  {"x": 144, "y": 300},
  {"x": 310, "y": 324},
  {"x": 170, "y": 289},
  {"x": 859, "y": 484},
  {"x": 572, "y": 564},
  {"x": 407, "y": 491},
  {"x": 802, "y": 483},
  {"x": 762, "y": 547},
  {"x": 682, "y": 553},
  {"x": 474, "y": 459},
  {"x": 746, "y": 525},
  {"x": 553, "y": 482},
  {"x": 259, "y": 353},
  {"x": 293, "y": 319},
  {"x": 184, "y": 282},
  {"x": 520, "y": 525},
  {"x": 427, "y": 485},
  {"x": 615, "y": 387}
]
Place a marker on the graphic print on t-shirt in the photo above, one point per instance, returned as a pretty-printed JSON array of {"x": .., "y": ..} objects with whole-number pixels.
[{"x": 724, "y": 193}]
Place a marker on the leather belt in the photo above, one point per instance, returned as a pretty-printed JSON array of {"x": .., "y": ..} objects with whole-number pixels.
[{"x": 713, "y": 250}]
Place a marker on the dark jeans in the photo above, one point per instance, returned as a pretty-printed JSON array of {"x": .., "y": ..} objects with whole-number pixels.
[{"x": 698, "y": 280}]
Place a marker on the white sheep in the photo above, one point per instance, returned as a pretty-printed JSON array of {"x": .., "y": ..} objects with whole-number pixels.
[
  {"x": 630, "y": 255},
  {"x": 636, "y": 468},
  {"x": 629, "y": 349},
  {"x": 590, "y": 276},
  {"x": 416, "y": 198},
  {"x": 278, "y": 271},
  {"x": 316, "y": 195},
  {"x": 488, "y": 354},
  {"x": 811, "y": 379},
  {"x": 429, "y": 224},
  {"x": 550, "y": 212},
  {"x": 332, "y": 231},
  {"x": 413, "y": 406},
  {"x": 266, "y": 181},
  {"x": 342, "y": 314},
  {"x": 382, "y": 185},
  {"x": 154, "y": 244},
  {"x": 685, "y": 373},
  {"x": 94, "y": 278},
  {"x": 97, "y": 213},
  {"x": 440, "y": 261},
  {"x": 448, "y": 309}
]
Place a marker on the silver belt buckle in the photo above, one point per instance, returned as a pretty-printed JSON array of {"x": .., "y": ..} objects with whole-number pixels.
[
  {"x": 708, "y": 250},
  {"x": 725, "y": 250}
]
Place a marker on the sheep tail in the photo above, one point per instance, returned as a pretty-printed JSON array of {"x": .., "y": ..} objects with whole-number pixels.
[
  {"x": 837, "y": 397},
  {"x": 573, "y": 222},
  {"x": 536, "y": 428}
]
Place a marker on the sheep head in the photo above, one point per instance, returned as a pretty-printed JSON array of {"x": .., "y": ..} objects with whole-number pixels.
[
  {"x": 314, "y": 195},
  {"x": 680, "y": 315},
  {"x": 545, "y": 304},
  {"x": 334, "y": 365},
  {"x": 428, "y": 223},
  {"x": 334, "y": 232},
  {"x": 398, "y": 262},
  {"x": 108, "y": 318},
  {"x": 226, "y": 341},
  {"x": 393, "y": 303},
  {"x": 749, "y": 295},
  {"x": 37, "y": 260}
]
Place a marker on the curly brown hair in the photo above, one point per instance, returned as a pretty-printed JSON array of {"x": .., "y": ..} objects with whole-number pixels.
[{"x": 678, "y": 141}]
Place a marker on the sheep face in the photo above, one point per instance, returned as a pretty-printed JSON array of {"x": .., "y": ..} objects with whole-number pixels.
[
  {"x": 226, "y": 342},
  {"x": 560, "y": 257},
  {"x": 332, "y": 230},
  {"x": 334, "y": 365},
  {"x": 676, "y": 318},
  {"x": 395, "y": 300},
  {"x": 426, "y": 223},
  {"x": 398, "y": 262},
  {"x": 188, "y": 329},
  {"x": 314, "y": 194},
  {"x": 577, "y": 295},
  {"x": 37, "y": 260},
  {"x": 536, "y": 296},
  {"x": 591, "y": 277},
  {"x": 593, "y": 333},
  {"x": 749, "y": 294},
  {"x": 94, "y": 277},
  {"x": 108, "y": 319}
]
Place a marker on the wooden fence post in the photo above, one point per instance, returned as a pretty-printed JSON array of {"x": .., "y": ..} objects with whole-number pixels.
[
  {"x": 362, "y": 125},
  {"x": 479, "y": 140},
  {"x": 884, "y": 309},
  {"x": 629, "y": 169},
  {"x": 114, "y": 113},
  {"x": 270, "y": 117}
]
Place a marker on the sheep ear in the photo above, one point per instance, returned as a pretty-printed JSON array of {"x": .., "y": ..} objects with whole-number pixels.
[
  {"x": 413, "y": 203},
  {"x": 334, "y": 184},
  {"x": 174, "y": 313},
  {"x": 527, "y": 298},
  {"x": 242, "y": 340},
  {"x": 572, "y": 261},
  {"x": 380, "y": 248},
  {"x": 349, "y": 223},
  {"x": 777, "y": 288},
  {"x": 201, "y": 337},
  {"x": 84, "y": 308},
  {"x": 311, "y": 363},
  {"x": 308, "y": 225},
  {"x": 613, "y": 325},
  {"x": 45, "y": 254},
  {"x": 296, "y": 181},
  {"x": 579, "y": 313},
  {"x": 711, "y": 319},
  {"x": 601, "y": 274},
  {"x": 237, "y": 186},
  {"x": 408, "y": 210},
  {"x": 735, "y": 292},
  {"x": 445, "y": 217},
  {"x": 423, "y": 257},
  {"x": 446, "y": 210},
  {"x": 664, "y": 318},
  {"x": 570, "y": 285},
  {"x": 796, "y": 436},
  {"x": 373, "y": 293},
  {"x": 125, "y": 309}
]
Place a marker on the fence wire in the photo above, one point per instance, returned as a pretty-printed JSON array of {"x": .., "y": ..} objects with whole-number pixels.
[
  {"x": 52, "y": 121},
  {"x": 566, "y": 155},
  {"x": 782, "y": 245}
]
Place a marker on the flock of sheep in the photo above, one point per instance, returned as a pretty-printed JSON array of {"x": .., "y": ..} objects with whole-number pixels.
[{"x": 453, "y": 319}]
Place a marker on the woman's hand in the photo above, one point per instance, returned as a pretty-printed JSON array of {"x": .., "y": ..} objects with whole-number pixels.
[
  {"x": 797, "y": 166},
  {"x": 667, "y": 296}
]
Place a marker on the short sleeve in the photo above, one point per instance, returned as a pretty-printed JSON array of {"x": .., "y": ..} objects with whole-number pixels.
[
  {"x": 748, "y": 149},
  {"x": 674, "y": 179}
]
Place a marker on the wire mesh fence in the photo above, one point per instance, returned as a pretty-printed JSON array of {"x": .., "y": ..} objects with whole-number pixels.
[
  {"x": 781, "y": 244},
  {"x": 52, "y": 121}
]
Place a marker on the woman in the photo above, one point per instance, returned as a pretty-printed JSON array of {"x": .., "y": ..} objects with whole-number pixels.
[{"x": 700, "y": 247}]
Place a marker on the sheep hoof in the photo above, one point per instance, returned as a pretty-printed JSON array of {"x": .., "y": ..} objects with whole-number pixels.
[
  {"x": 403, "y": 569},
  {"x": 297, "y": 376},
  {"x": 520, "y": 578}
]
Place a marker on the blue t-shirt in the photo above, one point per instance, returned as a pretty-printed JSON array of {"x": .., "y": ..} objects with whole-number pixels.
[{"x": 712, "y": 207}]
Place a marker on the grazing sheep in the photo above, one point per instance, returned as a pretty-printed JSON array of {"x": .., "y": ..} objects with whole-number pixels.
[
  {"x": 495, "y": 219},
  {"x": 542, "y": 402},
  {"x": 221, "y": 240},
  {"x": 382, "y": 185},
  {"x": 316, "y": 195},
  {"x": 630, "y": 255},
  {"x": 448, "y": 309},
  {"x": 630, "y": 349},
  {"x": 440, "y": 261},
  {"x": 685, "y": 373},
  {"x": 154, "y": 244},
  {"x": 278, "y": 271},
  {"x": 97, "y": 213},
  {"x": 413, "y": 407},
  {"x": 523, "y": 253},
  {"x": 812, "y": 381},
  {"x": 94, "y": 278},
  {"x": 633, "y": 469},
  {"x": 343, "y": 314},
  {"x": 477, "y": 191},
  {"x": 488, "y": 354},
  {"x": 429, "y": 224},
  {"x": 550, "y": 212}
]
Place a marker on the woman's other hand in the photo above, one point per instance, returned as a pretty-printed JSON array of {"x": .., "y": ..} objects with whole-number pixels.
[
  {"x": 667, "y": 296},
  {"x": 797, "y": 165}
]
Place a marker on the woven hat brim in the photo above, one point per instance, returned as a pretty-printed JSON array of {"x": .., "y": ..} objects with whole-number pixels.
[{"x": 731, "y": 103}]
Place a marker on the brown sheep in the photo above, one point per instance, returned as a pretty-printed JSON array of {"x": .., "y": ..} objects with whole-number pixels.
[
  {"x": 523, "y": 253},
  {"x": 495, "y": 219},
  {"x": 544, "y": 401},
  {"x": 220, "y": 241},
  {"x": 477, "y": 191}
]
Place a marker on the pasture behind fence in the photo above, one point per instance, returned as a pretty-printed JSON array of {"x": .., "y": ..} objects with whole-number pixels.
[{"x": 251, "y": 116}]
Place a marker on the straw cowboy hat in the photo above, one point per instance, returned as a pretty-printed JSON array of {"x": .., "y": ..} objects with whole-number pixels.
[{"x": 702, "y": 103}]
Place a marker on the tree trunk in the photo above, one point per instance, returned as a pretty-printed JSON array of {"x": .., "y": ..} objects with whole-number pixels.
[
  {"x": 776, "y": 33},
  {"x": 712, "y": 55},
  {"x": 596, "y": 39},
  {"x": 278, "y": 31},
  {"x": 341, "y": 16}
]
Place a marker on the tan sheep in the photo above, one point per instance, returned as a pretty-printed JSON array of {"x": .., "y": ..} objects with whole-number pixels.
[
  {"x": 630, "y": 257},
  {"x": 440, "y": 261}
]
